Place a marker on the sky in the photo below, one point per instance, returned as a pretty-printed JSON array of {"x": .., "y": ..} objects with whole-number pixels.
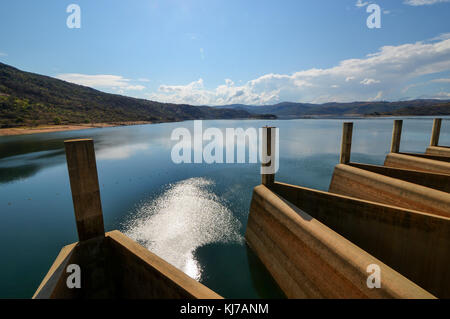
[{"x": 217, "y": 52}]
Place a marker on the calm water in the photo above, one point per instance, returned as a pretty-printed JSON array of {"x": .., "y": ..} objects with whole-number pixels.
[{"x": 194, "y": 216}]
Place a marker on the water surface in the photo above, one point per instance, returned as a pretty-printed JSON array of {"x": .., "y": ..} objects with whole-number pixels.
[{"x": 192, "y": 215}]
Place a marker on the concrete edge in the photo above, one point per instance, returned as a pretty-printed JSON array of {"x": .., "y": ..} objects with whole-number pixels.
[
  {"x": 48, "y": 284},
  {"x": 347, "y": 252},
  {"x": 191, "y": 286}
]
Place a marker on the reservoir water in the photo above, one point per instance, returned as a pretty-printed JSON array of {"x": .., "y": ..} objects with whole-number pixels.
[{"x": 192, "y": 215}]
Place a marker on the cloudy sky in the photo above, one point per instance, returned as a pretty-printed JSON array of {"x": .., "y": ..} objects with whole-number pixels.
[{"x": 219, "y": 52}]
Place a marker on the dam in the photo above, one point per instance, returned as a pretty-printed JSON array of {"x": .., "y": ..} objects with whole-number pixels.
[
  {"x": 315, "y": 244},
  {"x": 320, "y": 244}
]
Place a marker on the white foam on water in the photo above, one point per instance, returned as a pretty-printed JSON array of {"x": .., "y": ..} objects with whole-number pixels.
[{"x": 184, "y": 218}]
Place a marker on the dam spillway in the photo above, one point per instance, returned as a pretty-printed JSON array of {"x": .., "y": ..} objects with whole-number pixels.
[
  {"x": 315, "y": 244},
  {"x": 321, "y": 244}
]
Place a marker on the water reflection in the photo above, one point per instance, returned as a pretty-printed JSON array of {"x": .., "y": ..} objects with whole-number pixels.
[{"x": 185, "y": 217}]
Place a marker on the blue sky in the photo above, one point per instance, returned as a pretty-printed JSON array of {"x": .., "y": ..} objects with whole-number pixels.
[{"x": 236, "y": 51}]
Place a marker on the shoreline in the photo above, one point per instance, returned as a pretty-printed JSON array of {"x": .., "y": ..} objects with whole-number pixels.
[
  {"x": 13, "y": 131},
  {"x": 26, "y": 130}
]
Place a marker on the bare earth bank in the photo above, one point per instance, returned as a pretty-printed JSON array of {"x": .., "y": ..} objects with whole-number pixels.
[{"x": 59, "y": 128}]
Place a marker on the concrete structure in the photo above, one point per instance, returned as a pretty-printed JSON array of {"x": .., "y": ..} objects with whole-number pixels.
[
  {"x": 436, "y": 132},
  {"x": 269, "y": 134},
  {"x": 346, "y": 143},
  {"x": 412, "y": 162},
  {"x": 112, "y": 265},
  {"x": 435, "y": 148},
  {"x": 436, "y": 181},
  {"x": 436, "y": 159},
  {"x": 400, "y": 187},
  {"x": 289, "y": 230},
  {"x": 396, "y": 136},
  {"x": 319, "y": 244},
  {"x": 360, "y": 183}
]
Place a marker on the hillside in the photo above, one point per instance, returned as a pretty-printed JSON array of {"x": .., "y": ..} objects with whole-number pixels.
[
  {"x": 293, "y": 110},
  {"x": 439, "y": 109},
  {"x": 28, "y": 99}
]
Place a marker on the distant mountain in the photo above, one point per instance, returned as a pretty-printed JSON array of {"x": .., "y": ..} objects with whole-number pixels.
[
  {"x": 438, "y": 109},
  {"x": 32, "y": 99},
  {"x": 295, "y": 110}
]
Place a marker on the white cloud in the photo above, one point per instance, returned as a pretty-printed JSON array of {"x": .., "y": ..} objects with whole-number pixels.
[
  {"x": 423, "y": 2},
  {"x": 3, "y": 54},
  {"x": 383, "y": 73},
  {"x": 441, "y": 80},
  {"x": 101, "y": 81}
]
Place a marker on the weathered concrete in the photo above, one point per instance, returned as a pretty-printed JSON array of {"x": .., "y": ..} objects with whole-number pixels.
[
  {"x": 438, "y": 150},
  {"x": 85, "y": 189},
  {"x": 346, "y": 143},
  {"x": 355, "y": 182},
  {"x": 396, "y": 136},
  {"x": 310, "y": 260},
  {"x": 269, "y": 134},
  {"x": 399, "y": 160},
  {"x": 113, "y": 266},
  {"x": 436, "y": 132},
  {"x": 437, "y": 181},
  {"x": 441, "y": 158},
  {"x": 117, "y": 267},
  {"x": 413, "y": 243}
]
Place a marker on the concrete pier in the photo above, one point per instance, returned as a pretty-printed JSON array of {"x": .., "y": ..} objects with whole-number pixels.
[
  {"x": 83, "y": 176},
  {"x": 436, "y": 159},
  {"x": 346, "y": 143},
  {"x": 436, "y": 132},
  {"x": 318, "y": 244},
  {"x": 435, "y": 148},
  {"x": 112, "y": 265},
  {"x": 396, "y": 136},
  {"x": 269, "y": 135}
]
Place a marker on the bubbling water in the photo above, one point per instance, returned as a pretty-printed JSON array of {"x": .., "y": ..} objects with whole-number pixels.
[{"x": 187, "y": 216}]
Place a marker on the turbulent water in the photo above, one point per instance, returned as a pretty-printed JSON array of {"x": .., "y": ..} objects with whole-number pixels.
[{"x": 187, "y": 216}]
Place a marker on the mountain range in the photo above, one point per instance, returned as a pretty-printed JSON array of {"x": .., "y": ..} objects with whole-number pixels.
[
  {"x": 29, "y": 99},
  {"x": 377, "y": 108}
]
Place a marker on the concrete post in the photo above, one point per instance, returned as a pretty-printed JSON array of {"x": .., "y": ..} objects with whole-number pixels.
[
  {"x": 436, "y": 132},
  {"x": 269, "y": 150},
  {"x": 346, "y": 145},
  {"x": 85, "y": 189},
  {"x": 396, "y": 136}
]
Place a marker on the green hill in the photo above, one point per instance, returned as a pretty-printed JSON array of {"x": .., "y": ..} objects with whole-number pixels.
[
  {"x": 439, "y": 109},
  {"x": 28, "y": 99}
]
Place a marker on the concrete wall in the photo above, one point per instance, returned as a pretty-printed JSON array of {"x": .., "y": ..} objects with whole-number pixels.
[
  {"x": 310, "y": 260},
  {"x": 438, "y": 150},
  {"x": 117, "y": 267},
  {"x": 142, "y": 274},
  {"x": 355, "y": 182},
  {"x": 435, "y": 157},
  {"x": 416, "y": 163},
  {"x": 437, "y": 181},
  {"x": 413, "y": 243}
]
